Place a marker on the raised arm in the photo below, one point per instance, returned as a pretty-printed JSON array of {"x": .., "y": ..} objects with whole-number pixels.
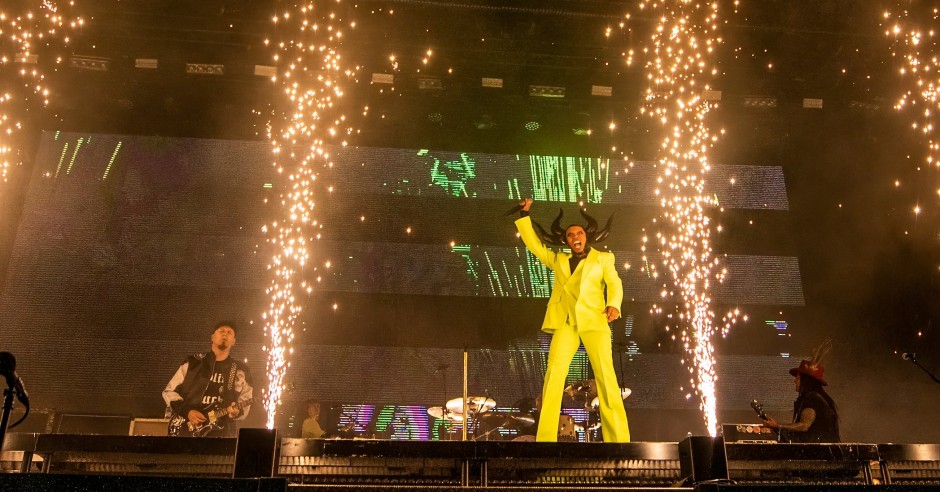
[{"x": 531, "y": 239}]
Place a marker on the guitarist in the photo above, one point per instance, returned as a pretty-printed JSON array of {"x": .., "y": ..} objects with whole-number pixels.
[
  {"x": 212, "y": 379},
  {"x": 815, "y": 418}
]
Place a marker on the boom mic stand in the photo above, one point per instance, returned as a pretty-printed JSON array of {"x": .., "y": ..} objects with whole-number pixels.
[
  {"x": 7, "y": 410},
  {"x": 911, "y": 356},
  {"x": 14, "y": 387}
]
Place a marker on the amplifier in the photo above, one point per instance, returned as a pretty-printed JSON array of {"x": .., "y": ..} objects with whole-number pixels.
[
  {"x": 149, "y": 427},
  {"x": 115, "y": 425},
  {"x": 39, "y": 421},
  {"x": 755, "y": 433}
]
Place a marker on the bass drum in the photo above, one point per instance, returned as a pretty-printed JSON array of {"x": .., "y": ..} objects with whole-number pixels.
[{"x": 566, "y": 429}]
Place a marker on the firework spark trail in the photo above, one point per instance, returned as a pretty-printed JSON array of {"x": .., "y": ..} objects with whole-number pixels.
[
  {"x": 916, "y": 47},
  {"x": 310, "y": 78},
  {"x": 24, "y": 29},
  {"x": 678, "y": 67}
]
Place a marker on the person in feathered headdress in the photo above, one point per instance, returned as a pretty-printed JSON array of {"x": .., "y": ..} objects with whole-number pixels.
[
  {"x": 585, "y": 298},
  {"x": 815, "y": 418}
]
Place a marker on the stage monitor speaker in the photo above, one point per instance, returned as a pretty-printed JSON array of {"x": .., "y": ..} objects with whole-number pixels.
[
  {"x": 702, "y": 459},
  {"x": 112, "y": 425},
  {"x": 256, "y": 453},
  {"x": 150, "y": 427},
  {"x": 39, "y": 421}
]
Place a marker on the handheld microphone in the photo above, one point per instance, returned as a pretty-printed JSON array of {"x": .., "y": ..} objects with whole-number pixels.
[
  {"x": 8, "y": 371},
  {"x": 911, "y": 356},
  {"x": 512, "y": 210}
]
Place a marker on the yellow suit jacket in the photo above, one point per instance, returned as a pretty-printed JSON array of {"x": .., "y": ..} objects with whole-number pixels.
[{"x": 577, "y": 297}]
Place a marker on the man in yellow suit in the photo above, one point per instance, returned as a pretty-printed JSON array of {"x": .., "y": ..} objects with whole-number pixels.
[{"x": 578, "y": 312}]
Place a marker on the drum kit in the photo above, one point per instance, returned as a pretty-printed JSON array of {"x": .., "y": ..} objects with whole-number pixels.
[
  {"x": 584, "y": 392},
  {"x": 484, "y": 422}
]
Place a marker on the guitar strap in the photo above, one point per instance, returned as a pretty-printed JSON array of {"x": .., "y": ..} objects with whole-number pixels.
[{"x": 231, "y": 376}]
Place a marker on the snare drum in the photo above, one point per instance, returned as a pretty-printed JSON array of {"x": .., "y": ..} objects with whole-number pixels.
[{"x": 566, "y": 430}]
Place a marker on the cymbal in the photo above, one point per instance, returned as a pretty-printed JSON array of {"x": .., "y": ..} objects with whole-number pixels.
[
  {"x": 509, "y": 420},
  {"x": 523, "y": 419},
  {"x": 441, "y": 413},
  {"x": 495, "y": 419},
  {"x": 582, "y": 391},
  {"x": 475, "y": 404},
  {"x": 624, "y": 393}
]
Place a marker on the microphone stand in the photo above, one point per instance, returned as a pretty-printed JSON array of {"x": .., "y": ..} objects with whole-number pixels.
[
  {"x": 913, "y": 358},
  {"x": 7, "y": 410}
]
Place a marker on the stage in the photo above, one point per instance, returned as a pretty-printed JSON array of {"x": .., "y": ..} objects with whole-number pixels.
[{"x": 259, "y": 460}]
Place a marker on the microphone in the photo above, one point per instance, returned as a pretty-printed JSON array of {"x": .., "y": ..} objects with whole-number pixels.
[
  {"x": 512, "y": 210},
  {"x": 8, "y": 371},
  {"x": 911, "y": 356}
]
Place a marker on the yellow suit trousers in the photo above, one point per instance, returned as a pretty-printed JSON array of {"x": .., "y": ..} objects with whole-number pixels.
[{"x": 597, "y": 344}]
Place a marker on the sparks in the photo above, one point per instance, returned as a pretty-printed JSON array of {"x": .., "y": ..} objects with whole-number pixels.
[
  {"x": 910, "y": 32},
  {"x": 24, "y": 32},
  {"x": 677, "y": 69},
  {"x": 312, "y": 73}
]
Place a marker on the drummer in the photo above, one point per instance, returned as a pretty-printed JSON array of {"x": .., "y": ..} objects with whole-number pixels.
[{"x": 528, "y": 408}]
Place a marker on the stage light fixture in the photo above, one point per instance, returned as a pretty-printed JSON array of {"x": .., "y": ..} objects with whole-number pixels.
[
  {"x": 602, "y": 90},
  {"x": 146, "y": 63},
  {"x": 759, "y": 102},
  {"x": 548, "y": 91},
  {"x": 809, "y": 103},
  {"x": 205, "y": 69},
  {"x": 265, "y": 71},
  {"x": 94, "y": 63},
  {"x": 383, "y": 78},
  {"x": 484, "y": 122},
  {"x": 435, "y": 117},
  {"x": 430, "y": 84},
  {"x": 492, "y": 83},
  {"x": 864, "y": 106},
  {"x": 532, "y": 125}
]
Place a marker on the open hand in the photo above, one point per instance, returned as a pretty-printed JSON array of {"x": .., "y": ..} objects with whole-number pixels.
[{"x": 612, "y": 313}]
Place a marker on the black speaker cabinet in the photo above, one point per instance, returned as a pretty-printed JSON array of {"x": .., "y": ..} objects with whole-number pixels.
[
  {"x": 256, "y": 453},
  {"x": 702, "y": 458}
]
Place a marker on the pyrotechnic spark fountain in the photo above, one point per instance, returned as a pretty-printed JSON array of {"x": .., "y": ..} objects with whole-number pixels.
[
  {"x": 310, "y": 80},
  {"x": 25, "y": 28},
  {"x": 680, "y": 54},
  {"x": 914, "y": 45}
]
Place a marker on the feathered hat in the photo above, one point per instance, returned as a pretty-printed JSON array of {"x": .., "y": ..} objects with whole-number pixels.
[
  {"x": 812, "y": 367},
  {"x": 557, "y": 235}
]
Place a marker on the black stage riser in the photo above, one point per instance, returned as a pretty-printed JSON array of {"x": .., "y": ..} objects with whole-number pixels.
[
  {"x": 813, "y": 488},
  {"x": 105, "y": 483},
  {"x": 108, "y": 483},
  {"x": 378, "y": 464}
]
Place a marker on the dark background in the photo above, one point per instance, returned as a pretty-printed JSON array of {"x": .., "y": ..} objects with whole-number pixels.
[{"x": 869, "y": 267}]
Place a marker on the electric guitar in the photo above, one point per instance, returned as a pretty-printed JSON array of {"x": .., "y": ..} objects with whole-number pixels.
[
  {"x": 781, "y": 433},
  {"x": 216, "y": 418},
  {"x": 759, "y": 409}
]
